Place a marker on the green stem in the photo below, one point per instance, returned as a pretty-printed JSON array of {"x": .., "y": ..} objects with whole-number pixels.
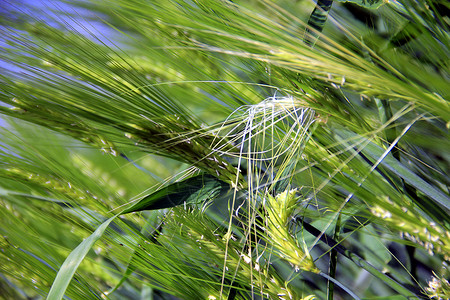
[
  {"x": 333, "y": 260},
  {"x": 340, "y": 285}
]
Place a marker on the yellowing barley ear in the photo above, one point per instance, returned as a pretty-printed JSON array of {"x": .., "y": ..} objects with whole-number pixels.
[{"x": 279, "y": 212}]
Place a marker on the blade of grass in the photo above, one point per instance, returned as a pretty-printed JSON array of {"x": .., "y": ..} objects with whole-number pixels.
[
  {"x": 72, "y": 262},
  {"x": 376, "y": 152}
]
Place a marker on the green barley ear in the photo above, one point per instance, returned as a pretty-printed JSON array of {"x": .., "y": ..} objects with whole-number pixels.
[
  {"x": 52, "y": 117},
  {"x": 412, "y": 226},
  {"x": 438, "y": 288},
  {"x": 207, "y": 245},
  {"x": 279, "y": 211}
]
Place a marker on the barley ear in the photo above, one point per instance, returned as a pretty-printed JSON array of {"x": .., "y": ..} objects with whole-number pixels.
[{"x": 279, "y": 211}]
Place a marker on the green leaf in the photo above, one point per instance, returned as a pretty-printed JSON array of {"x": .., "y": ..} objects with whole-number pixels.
[
  {"x": 393, "y": 165},
  {"x": 72, "y": 262},
  {"x": 366, "y": 3},
  {"x": 193, "y": 190},
  {"x": 409, "y": 32}
]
